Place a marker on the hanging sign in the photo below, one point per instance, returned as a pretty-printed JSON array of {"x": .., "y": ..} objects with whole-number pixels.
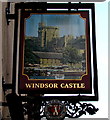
[{"x": 56, "y": 51}]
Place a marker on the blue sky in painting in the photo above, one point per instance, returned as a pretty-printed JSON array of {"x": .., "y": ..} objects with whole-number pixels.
[{"x": 68, "y": 24}]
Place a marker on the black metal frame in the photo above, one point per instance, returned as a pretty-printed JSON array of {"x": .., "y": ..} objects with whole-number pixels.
[
  {"x": 74, "y": 109},
  {"x": 42, "y": 7}
]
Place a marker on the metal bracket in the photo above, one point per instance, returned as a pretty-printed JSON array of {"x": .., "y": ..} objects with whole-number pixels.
[
  {"x": 6, "y": 86},
  {"x": 73, "y": 109},
  {"x": 8, "y": 15}
]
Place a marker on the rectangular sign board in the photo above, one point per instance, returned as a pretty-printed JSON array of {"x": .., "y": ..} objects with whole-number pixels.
[{"x": 56, "y": 53}]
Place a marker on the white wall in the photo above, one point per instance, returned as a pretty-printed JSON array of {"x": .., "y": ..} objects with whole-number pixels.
[
  {"x": 6, "y": 47},
  {"x": 0, "y": 58}
]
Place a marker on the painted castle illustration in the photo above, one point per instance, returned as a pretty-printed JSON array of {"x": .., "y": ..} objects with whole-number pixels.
[{"x": 48, "y": 49}]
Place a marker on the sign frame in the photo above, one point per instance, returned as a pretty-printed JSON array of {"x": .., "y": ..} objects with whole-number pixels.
[{"x": 42, "y": 8}]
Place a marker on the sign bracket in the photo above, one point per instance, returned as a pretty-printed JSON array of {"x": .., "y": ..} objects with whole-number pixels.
[{"x": 9, "y": 16}]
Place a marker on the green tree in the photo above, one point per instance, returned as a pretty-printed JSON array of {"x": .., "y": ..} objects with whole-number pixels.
[
  {"x": 29, "y": 56},
  {"x": 71, "y": 55}
]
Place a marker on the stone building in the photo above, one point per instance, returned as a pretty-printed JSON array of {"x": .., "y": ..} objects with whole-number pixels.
[
  {"x": 46, "y": 34},
  {"x": 46, "y": 59}
]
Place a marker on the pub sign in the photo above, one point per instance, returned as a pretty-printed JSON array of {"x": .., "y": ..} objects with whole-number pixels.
[{"x": 56, "y": 49}]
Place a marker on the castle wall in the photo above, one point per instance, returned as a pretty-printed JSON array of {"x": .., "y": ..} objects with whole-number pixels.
[{"x": 47, "y": 33}]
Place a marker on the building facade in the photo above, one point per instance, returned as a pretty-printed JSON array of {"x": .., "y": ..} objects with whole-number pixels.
[
  {"x": 47, "y": 34},
  {"x": 47, "y": 59}
]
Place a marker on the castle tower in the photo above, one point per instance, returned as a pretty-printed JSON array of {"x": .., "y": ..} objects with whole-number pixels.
[
  {"x": 41, "y": 34},
  {"x": 47, "y": 34}
]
